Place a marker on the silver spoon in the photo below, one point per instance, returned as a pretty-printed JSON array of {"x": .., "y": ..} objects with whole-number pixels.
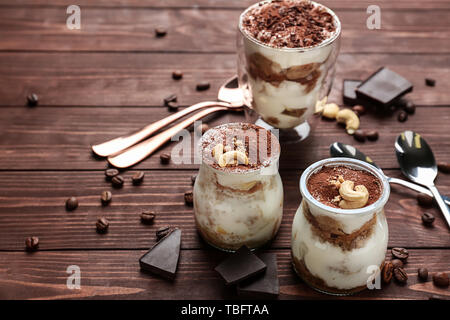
[
  {"x": 417, "y": 162},
  {"x": 338, "y": 149}
]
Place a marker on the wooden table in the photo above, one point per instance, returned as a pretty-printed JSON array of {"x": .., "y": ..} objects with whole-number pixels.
[{"x": 110, "y": 78}]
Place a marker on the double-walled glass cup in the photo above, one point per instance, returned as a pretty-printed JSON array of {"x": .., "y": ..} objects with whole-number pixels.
[
  {"x": 337, "y": 250},
  {"x": 282, "y": 85},
  {"x": 238, "y": 205}
]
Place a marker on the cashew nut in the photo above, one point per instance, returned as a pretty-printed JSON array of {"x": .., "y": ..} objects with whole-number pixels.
[
  {"x": 353, "y": 197},
  {"x": 330, "y": 110},
  {"x": 217, "y": 151},
  {"x": 320, "y": 105},
  {"x": 350, "y": 119},
  {"x": 231, "y": 157}
]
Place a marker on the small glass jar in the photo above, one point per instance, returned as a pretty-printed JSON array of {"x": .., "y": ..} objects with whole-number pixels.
[
  {"x": 282, "y": 85},
  {"x": 336, "y": 250},
  {"x": 238, "y": 205}
]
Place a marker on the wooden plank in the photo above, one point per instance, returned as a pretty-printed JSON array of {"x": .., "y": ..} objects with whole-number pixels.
[
  {"x": 206, "y": 30},
  {"x": 83, "y": 79},
  {"x": 60, "y": 138},
  {"x": 116, "y": 275},
  {"x": 32, "y": 203}
]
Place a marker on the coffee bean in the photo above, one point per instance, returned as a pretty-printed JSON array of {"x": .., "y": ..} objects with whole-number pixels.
[
  {"x": 110, "y": 173},
  {"x": 359, "y": 110},
  {"x": 422, "y": 273},
  {"x": 440, "y": 279},
  {"x": 177, "y": 75},
  {"x": 106, "y": 197},
  {"x": 401, "y": 103},
  {"x": 427, "y": 219},
  {"x": 372, "y": 135},
  {"x": 202, "y": 128},
  {"x": 424, "y": 200},
  {"x": 71, "y": 203},
  {"x": 359, "y": 135},
  {"x": 397, "y": 263},
  {"x": 387, "y": 272},
  {"x": 170, "y": 98},
  {"x": 160, "y": 32},
  {"x": 147, "y": 217},
  {"x": 400, "y": 275},
  {"x": 202, "y": 86},
  {"x": 117, "y": 181},
  {"x": 172, "y": 106},
  {"x": 102, "y": 225},
  {"x": 32, "y": 243},
  {"x": 193, "y": 178},
  {"x": 165, "y": 158},
  {"x": 430, "y": 82},
  {"x": 410, "y": 107},
  {"x": 189, "y": 198},
  {"x": 32, "y": 99},
  {"x": 402, "y": 116},
  {"x": 138, "y": 177},
  {"x": 162, "y": 232},
  {"x": 400, "y": 253},
  {"x": 444, "y": 167}
]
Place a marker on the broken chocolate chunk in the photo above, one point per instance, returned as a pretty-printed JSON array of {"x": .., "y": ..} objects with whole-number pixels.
[
  {"x": 348, "y": 92},
  {"x": 162, "y": 258},
  {"x": 241, "y": 265},
  {"x": 264, "y": 286}
]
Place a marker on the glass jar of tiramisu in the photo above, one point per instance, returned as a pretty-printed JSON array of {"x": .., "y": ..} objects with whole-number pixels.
[
  {"x": 238, "y": 193},
  {"x": 286, "y": 55},
  {"x": 340, "y": 233}
]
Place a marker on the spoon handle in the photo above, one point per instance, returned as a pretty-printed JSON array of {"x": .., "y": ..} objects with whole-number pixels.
[{"x": 440, "y": 203}]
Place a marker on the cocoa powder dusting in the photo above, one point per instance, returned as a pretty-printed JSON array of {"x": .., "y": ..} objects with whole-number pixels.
[{"x": 322, "y": 189}]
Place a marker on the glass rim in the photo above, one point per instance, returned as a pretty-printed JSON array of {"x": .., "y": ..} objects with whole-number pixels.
[
  {"x": 325, "y": 43},
  {"x": 358, "y": 164}
]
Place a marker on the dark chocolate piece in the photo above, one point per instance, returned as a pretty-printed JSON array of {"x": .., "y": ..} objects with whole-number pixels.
[
  {"x": 430, "y": 82},
  {"x": 264, "y": 286},
  {"x": 241, "y": 265},
  {"x": 348, "y": 92},
  {"x": 383, "y": 88},
  {"x": 162, "y": 258}
]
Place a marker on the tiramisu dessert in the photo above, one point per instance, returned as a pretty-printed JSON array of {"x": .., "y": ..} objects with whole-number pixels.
[
  {"x": 238, "y": 193},
  {"x": 287, "y": 51},
  {"x": 340, "y": 233}
]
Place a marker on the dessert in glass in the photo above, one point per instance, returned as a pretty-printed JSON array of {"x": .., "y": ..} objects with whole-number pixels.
[
  {"x": 286, "y": 55},
  {"x": 339, "y": 232},
  {"x": 238, "y": 193}
]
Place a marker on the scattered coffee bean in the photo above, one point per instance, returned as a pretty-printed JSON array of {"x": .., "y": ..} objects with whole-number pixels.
[
  {"x": 102, "y": 225},
  {"x": 147, "y": 217},
  {"x": 400, "y": 275},
  {"x": 189, "y": 198},
  {"x": 427, "y": 219},
  {"x": 440, "y": 279},
  {"x": 32, "y": 99},
  {"x": 359, "y": 135},
  {"x": 400, "y": 253},
  {"x": 177, "y": 75},
  {"x": 170, "y": 98},
  {"x": 160, "y": 32},
  {"x": 165, "y": 158},
  {"x": 172, "y": 106},
  {"x": 106, "y": 197},
  {"x": 372, "y": 135},
  {"x": 424, "y": 200},
  {"x": 359, "y": 110},
  {"x": 110, "y": 173},
  {"x": 401, "y": 103},
  {"x": 71, "y": 203},
  {"x": 430, "y": 82},
  {"x": 402, "y": 116},
  {"x": 162, "y": 232},
  {"x": 444, "y": 167},
  {"x": 201, "y": 86},
  {"x": 138, "y": 177},
  {"x": 193, "y": 177},
  {"x": 32, "y": 243},
  {"x": 397, "y": 263},
  {"x": 387, "y": 272},
  {"x": 410, "y": 107},
  {"x": 422, "y": 273},
  {"x": 117, "y": 181},
  {"x": 202, "y": 128}
]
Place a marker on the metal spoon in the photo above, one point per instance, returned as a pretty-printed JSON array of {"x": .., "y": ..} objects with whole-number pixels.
[
  {"x": 338, "y": 149},
  {"x": 230, "y": 96},
  {"x": 417, "y": 162}
]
